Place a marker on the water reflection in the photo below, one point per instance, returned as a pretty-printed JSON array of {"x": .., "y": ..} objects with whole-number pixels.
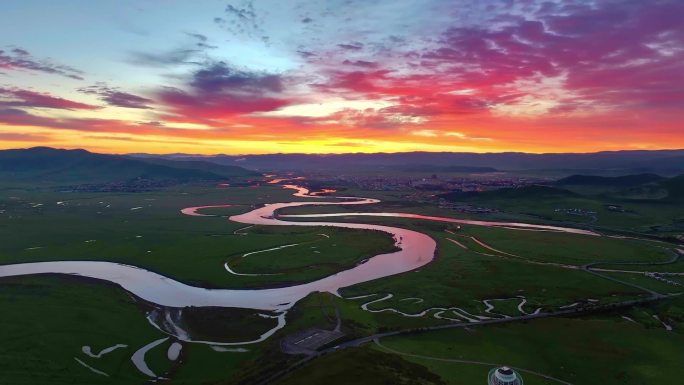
[{"x": 415, "y": 250}]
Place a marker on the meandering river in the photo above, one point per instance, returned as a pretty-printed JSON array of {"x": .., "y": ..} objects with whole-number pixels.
[{"x": 415, "y": 250}]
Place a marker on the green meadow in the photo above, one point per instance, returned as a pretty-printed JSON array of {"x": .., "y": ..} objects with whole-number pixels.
[
  {"x": 149, "y": 231},
  {"x": 48, "y": 319}
]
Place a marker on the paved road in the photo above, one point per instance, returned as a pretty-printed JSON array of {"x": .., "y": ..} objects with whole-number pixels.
[
  {"x": 675, "y": 257},
  {"x": 589, "y": 269}
]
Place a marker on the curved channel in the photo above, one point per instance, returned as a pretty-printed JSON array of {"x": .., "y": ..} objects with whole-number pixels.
[{"x": 415, "y": 250}]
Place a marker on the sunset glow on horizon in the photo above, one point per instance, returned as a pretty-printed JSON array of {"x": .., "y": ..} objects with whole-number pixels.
[{"x": 253, "y": 77}]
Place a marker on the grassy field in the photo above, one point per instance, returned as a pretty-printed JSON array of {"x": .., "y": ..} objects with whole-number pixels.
[
  {"x": 455, "y": 278},
  {"x": 364, "y": 366},
  {"x": 647, "y": 216},
  {"x": 102, "y": 316},
  {"x": 46, "y": 320},
  {"x": 148, "y": 230},
  {"x": 675, "y": 267},
  {"x": 303, "y": 261},
  {"x": 647, "y": 282},
  {"x": 568, "y": 248},
  {"x": 541, "y": 246},
  {"x": 606, "y": 350},
  {"x": 462, "y": 278}
]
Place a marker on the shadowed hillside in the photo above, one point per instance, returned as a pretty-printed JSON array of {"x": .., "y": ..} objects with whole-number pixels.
[
  {"x": 665, "y": 162},
  {"x": 43, "y": 165},
  {"x": 621, "y": 181}
]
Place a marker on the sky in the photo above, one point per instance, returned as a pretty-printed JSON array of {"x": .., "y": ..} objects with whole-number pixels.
[{"x": 338, "y": 76}]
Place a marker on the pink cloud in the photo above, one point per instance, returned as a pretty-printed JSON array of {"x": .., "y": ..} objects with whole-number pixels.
[{"x": 13, "y": 97}]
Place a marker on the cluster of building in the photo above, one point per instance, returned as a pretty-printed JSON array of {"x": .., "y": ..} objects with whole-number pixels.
[
  {"x": 577, "y": 211},
  {"x": 435, "y": 183},
  {"x": 135, "y": 185},
  {"x": 425, "y": 183},
  {"x": 464, "y": 208},
  {"x": 661, "y": 277}
]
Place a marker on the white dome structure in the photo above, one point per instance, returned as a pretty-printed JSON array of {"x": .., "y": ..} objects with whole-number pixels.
[{"x": 504, "y": 376}]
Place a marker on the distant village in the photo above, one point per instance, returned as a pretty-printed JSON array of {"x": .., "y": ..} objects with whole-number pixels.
[{"x": 431, "y": 183}]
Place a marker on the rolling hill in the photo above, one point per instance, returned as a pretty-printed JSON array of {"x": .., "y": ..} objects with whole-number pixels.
[
  {"x": 628, "y": 187},
  {"x": 639, "y": 187},
  {"x": 618, "y": 181},
  {"x": 44, "y": 165},
  {"x": 664, "y": 162},
  {"x": 675, "y": 188},
  {"x": 226, "y": 171}
]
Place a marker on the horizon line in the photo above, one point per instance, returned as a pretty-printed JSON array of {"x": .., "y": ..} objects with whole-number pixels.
[{"x": 345, "y": 153}]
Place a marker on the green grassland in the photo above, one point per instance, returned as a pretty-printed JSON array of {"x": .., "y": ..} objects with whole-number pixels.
[
  {"x": 658, "y": 218},
  {"x": 568, "y": 248},
  {"x": 676, "y": 266},
  {"x": 362, "y": 366},
  {"x": 455, "y": 278},
  {"x": 307, "y": 260},
  {"x": 219, "y": 324},
  {"x": 158, "y": 237},
  {"x": 463, "y": 278},
  {"x": 647, "y": 282},
  {"x": 638, "y": 214},
  {"x": 606, "y": 350},
  {"x": 46, "y": 320},
  {"x": 536, "y": 245},
  {"x": 603, "y": 349}
]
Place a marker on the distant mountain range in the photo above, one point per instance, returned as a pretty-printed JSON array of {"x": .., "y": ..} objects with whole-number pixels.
[
  {"x": 44, "y": 165},
  {"x": 668, "y": 162},
  {"x": 55, "y": 166},
  {"x": 642, "y": 187}
]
